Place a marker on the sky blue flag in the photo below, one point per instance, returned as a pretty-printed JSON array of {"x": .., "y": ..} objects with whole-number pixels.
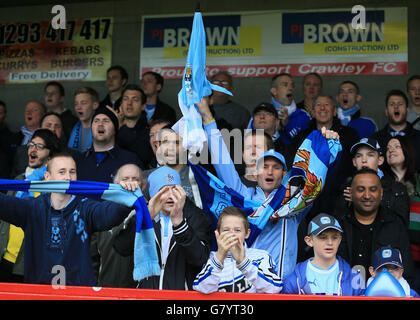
[
  {"x": 299, "y": 188},
  {"x": 146, "y": 261},
  {"x": 385, "y": 285},
  {"x": 195, "y": 86}
]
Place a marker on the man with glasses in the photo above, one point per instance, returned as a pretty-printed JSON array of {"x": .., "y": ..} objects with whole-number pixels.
[
  {"x": 43, "y": 145},
  {"x": 34, "y": 110},
  {"x": 224, "y": 108}
]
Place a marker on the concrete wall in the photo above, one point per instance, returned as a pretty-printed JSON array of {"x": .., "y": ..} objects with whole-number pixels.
[{"x": 249, "y": 91}]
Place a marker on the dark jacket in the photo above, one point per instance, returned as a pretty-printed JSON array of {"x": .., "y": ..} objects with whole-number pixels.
[
  {"x": 107, "y": 102},
  {"x": 68, "y": 119},
  {"x": 111, "y": 268},
  {"x": 395, "y": 198},
  {"x": 164, "y": 111},
  {"x": 389, "y": 231},
  {"x": 136, "y": 140},
  {"x": 7, "y": 149},
  {"x": 189, "y": 249},
  {"x": 89, "y": 169},
  {"x": 60, "y": 237},
  {"x": 384, "y": 135}
]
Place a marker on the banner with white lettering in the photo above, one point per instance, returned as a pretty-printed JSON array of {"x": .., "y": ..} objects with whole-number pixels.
[
  {"x": 32, "y": 52},
  {"x": 263, "y": 44}
]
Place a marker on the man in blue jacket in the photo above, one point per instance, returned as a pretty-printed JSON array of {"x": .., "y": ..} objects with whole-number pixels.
[
  {"x": 58, "y": 228},
  {"x": 278, "y": 237}
]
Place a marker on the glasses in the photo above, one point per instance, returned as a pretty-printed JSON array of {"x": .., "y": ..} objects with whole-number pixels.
[
  {"x": 38, "y": 146},
  {"x": 224, "y": 83}
]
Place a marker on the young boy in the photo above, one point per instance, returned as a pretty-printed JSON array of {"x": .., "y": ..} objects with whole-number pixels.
[
  {"x": 390, "y": 259},
  {"x": 235, "y": 268},
  {"x": 325, "y": 273}
]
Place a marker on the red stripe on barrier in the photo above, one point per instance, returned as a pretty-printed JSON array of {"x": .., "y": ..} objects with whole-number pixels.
[{"x": 18, "y": 291}]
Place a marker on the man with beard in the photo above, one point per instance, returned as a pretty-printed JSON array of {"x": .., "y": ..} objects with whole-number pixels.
[
  {"x": 43, "y": 145},
  {"x": 396, "y": 110},
  {"x": 368, "y": 226},
  {"x": 34, "y": 111}
]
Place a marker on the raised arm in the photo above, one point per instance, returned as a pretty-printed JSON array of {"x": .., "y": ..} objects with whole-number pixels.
[{"x": 220, "y": 155}]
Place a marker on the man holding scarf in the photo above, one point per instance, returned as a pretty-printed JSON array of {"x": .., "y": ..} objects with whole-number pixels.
[{"x": 58, "y": 227}]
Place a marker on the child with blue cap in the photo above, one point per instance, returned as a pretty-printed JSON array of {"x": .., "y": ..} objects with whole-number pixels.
[
  {"x": 325, "y": 273},
  {"x": 390, "y": 259}
]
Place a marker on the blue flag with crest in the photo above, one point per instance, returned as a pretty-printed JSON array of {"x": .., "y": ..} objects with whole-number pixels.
[
  {"x": 299, "y": 188},
  {"x": 195, "y": 86}
]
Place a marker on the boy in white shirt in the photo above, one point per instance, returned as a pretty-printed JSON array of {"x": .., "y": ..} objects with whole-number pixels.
[{"x": 233, "y": 267}]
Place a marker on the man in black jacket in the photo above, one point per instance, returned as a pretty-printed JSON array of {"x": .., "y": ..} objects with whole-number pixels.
[
  {"x": 368, "y": 226},
  {"x": 183, "y": 233}
]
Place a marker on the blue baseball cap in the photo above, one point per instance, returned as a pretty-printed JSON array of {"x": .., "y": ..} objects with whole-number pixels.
[
  {"x": 321, "y": 223},
  {"x": 370, "y": 142},
  {"x": 386, "y": 255},
  {"x": 161, "y": 177},
  {"x": 274, "y": 154}
]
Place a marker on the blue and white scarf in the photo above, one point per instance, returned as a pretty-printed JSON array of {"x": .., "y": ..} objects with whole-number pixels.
[
  {"x": 290, "y": 109},
  {"x": 27, "y": 135},
  {"x": 75, "y": 140},
  {"x": 195, "y": 86},
  {"x": 146, "y": 261},
  {"x": 345, "y": 115}
]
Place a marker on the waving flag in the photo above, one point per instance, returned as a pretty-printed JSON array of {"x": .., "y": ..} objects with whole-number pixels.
[
  {"x": 195, "y": 86},
  {"x": 299, "y": 188},
  {"x": 146, "y": 261}
]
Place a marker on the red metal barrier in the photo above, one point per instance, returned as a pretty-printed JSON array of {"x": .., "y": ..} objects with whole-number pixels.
[{"x": 17, "y": 291}]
